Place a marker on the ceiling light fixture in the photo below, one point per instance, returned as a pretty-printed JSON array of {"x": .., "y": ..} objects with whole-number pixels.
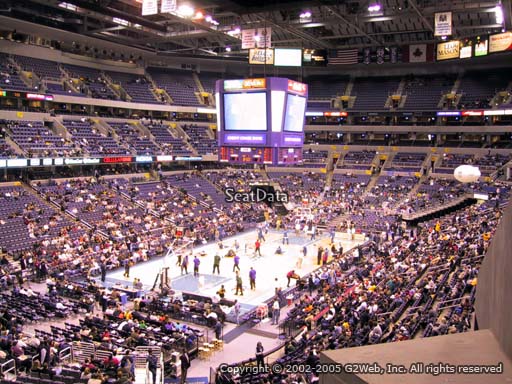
[
  {"x": 498, "y": 12},
  {"x": 185, "y": 10},
  {"x": 374, "y": 8}
]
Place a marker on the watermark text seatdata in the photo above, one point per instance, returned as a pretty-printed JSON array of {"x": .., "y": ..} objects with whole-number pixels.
[{"x": 256, "y": 195}]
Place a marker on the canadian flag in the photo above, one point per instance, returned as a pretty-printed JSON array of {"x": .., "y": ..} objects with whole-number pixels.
[{"x": 417, "y": 53}]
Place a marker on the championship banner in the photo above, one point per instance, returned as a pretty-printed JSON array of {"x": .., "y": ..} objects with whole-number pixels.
[
  {"x": 443, "y": 24},
  {"x": 149, "y": 7},
  {"x": 248, "y": 39},
  {"x": 380, "y": 55},
  {"x": 168, "y": 6},
  {"x": 393, "y": 56},
  {"x": 500, "y": 42},
  {"x": 448, "y": 50},
  {"x": 265, "y": 40},
  {"x": 367, "y": 56},
  {"x": 261, "y": 56},
  {"x": 257, "y": 38}
]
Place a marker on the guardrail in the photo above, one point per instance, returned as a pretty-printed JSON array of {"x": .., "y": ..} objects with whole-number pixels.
[
  {"x": 437, "y": 208},
  {"x": 7, "y": 367},
  {"x": 65, "y": 355}
]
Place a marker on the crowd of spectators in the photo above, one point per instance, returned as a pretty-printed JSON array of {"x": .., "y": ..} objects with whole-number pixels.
[{"x": 397, "y": 286}]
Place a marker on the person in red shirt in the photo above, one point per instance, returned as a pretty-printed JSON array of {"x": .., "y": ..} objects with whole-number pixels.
[
  {"x": 257, "y": 249},
  {"x": 291, "y": 275}
]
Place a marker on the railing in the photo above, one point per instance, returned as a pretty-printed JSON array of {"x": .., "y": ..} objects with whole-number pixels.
[
  {"x": 437, "y": 208},
  {"x": 82, "y": 351},
  {"x": 65, "y": 355},
  {"x": 7, "y": 367}
]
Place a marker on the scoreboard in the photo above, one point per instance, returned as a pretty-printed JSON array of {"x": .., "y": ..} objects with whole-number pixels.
[{"x": 261, "y": 120}]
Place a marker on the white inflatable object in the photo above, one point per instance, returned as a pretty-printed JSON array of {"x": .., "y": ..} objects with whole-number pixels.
[{"x": 467, "y": 173}]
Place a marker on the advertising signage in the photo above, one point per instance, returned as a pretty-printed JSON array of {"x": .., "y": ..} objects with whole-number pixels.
[
  {"x": 314, "y": 57},
  {"x": 117, "y": 159},
  {"x": 448, "y": 50},
  {"x": 247, "y": 84},
  {"x": 261, "y": 56},
  {"x": 500, "y": 42},
  {"x": 481, "y": 47}
]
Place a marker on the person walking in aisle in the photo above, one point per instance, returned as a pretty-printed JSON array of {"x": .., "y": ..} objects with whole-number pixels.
[
  {"x": 152, "y": 364},
  {"x": 259, "y": 355},
  {"x": 185, "y": 365}
]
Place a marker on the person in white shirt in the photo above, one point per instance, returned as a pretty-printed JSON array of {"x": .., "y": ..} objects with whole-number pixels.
[{"x": 276, "y": 312}]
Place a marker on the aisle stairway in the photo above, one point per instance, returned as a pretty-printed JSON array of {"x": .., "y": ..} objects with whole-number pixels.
[{"x": 142, "y": 375}]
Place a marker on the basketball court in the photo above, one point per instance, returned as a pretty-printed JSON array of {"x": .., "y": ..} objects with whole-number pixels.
[{"x": 271, "y": 268}]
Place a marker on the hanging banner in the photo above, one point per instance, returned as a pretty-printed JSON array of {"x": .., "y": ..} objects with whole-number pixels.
[
  {"x": 380, "y": 55},
  {"x": 248, "y": 39},
  {"x": 168, "y": 6},
  {"x": 265, "y": 37},
  {"x": 257, "y": 38},
  {"x": 443, "y": 24},
  {"x": 393, "y": 56},
  {"x": 149, "y": 7},
  {"x": 367, "y": 56},
  {"x": 417, "y": 53}
]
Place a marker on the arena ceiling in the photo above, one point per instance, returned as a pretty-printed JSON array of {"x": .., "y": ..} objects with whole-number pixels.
[{"x": 331, "y": 24}]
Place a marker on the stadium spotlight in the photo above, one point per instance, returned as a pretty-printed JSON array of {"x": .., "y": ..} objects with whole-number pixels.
[
  {"x": 208, "y": 19},
  {"x": 199, "y": 15},
  {"x": 376, "y": 7},
  {"x": 185, "y": 10},
  {"x": 228, "y": 49},
  {"x": 234, "y": 31},
  {"x": 305, "y": 15},
  {"x": 498, "y": 12}
]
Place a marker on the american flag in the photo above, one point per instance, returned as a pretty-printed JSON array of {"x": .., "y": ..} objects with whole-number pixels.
[{"x": 343, "y": 57}]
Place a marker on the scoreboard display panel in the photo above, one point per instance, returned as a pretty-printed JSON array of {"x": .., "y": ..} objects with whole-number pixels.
[{"x": 261, "y": 120}]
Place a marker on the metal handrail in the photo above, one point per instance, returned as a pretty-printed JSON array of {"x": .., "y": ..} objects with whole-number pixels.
[{"x": 8, "y": 366}]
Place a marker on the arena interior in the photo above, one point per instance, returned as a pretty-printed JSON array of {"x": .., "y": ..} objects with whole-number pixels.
[{"x": 125, "y": 127}]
